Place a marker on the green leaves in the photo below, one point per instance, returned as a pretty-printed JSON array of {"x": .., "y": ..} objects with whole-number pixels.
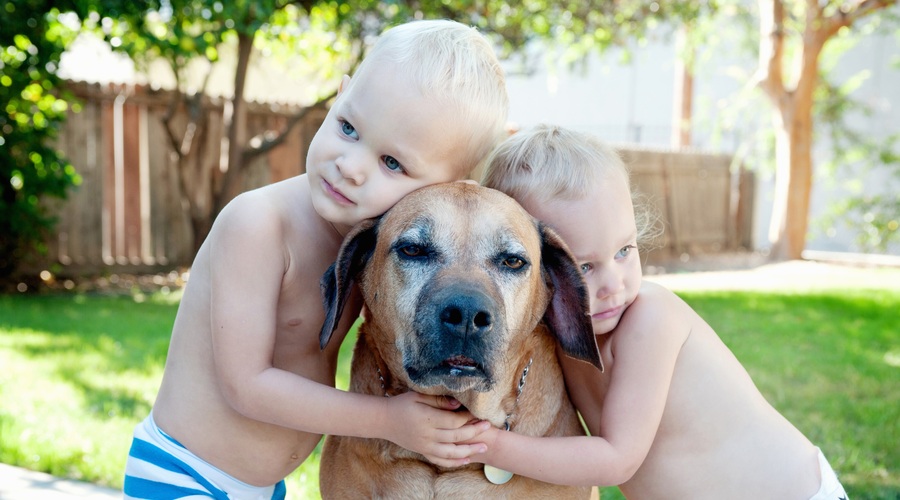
[{"x": 34, "y": 105}]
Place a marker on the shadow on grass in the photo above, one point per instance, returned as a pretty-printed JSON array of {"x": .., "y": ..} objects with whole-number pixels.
[
  {"x": 122, "y": 335},
  {"x": 106, "y": 348}
]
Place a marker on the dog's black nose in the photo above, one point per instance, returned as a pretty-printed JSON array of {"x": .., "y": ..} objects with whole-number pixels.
[{"x": 466, "y": 314}]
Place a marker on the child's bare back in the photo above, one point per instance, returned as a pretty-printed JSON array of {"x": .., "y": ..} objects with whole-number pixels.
[{"x": 717, "y": 436}]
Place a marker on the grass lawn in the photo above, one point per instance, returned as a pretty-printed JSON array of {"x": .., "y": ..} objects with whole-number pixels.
[{"x": 77, "y": 372}]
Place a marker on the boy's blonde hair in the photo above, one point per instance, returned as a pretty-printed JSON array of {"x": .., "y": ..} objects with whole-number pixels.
[
  {"x": 549, "y": 163},
  {"x": 455, "y": 64}
]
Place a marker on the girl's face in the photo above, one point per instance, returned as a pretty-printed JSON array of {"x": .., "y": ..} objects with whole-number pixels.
[{"x": 601, "y": 233}]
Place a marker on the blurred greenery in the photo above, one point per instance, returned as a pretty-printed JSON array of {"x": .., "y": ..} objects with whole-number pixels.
[
  {"x": 80, "y": 371},
  {"x": 34, "y": 105}
]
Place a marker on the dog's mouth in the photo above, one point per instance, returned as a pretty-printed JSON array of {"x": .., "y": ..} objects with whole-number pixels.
[
  {"x": 461, "y": 366},
  {"x": 456, "y": 373}
]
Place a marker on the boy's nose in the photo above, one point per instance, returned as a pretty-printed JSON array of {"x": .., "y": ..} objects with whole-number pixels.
[{"x": 353, "y": 168}]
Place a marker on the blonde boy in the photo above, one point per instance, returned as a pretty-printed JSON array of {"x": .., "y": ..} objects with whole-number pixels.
[
  {"x": 247, "y": 392},
  {"x": 674, "y": 415}
]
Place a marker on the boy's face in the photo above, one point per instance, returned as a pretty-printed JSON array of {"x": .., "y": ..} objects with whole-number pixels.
[
  {"x": 380, "y": 141},
  {"x": 601, "y": 233}
]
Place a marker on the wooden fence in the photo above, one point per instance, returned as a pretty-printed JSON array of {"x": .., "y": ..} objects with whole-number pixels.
[
  {"x": 127, "y": 214},
  {"x": 704, "y": 201}
]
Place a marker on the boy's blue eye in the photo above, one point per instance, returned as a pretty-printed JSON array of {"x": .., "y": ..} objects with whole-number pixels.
[
  {"x": 585, "y": 268},
  {"x": 392, "y": 164},
  {"x": 348, "y": 130}
]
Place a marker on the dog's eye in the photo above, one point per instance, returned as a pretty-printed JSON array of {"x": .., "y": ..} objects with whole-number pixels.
[
  {"x": 513, "y": 262},
  {"x": 412, "y": 250}
]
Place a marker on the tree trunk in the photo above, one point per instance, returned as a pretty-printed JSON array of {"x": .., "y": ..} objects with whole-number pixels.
[
  {"x": 793, "y": 125},
  {"x": 236, "y": 129},
  {"x": 683, "y": 98},
  {"x": 793, "y": 179}
]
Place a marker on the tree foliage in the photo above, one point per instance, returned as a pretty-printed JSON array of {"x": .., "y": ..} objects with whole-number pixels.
[
  {"x": 874, "y": 218},
  {"x": 31, "y": 169}
]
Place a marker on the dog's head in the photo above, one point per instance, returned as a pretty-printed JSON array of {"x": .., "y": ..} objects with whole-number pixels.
[{"x": 457, "y": 275}]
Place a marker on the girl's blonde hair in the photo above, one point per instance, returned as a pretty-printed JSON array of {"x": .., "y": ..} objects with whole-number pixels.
[
  {"x": 549, "y": 162},
  {"x": 455, "y": 64}
]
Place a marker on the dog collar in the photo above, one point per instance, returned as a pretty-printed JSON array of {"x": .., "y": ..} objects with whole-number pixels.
[{"x": 493, "y": 474}]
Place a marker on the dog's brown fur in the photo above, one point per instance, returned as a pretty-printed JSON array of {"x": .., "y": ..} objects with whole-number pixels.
[{"x": 449, "y": 311}]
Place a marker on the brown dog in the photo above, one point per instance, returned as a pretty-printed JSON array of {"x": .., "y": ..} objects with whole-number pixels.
[{"x": 456, "y": 280}]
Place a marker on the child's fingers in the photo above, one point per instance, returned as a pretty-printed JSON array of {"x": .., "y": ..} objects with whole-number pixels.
[
  {"x": 440, "y": 402},
  {"x": 468, "y": 432},
  {"x": 449, "y": 455}
]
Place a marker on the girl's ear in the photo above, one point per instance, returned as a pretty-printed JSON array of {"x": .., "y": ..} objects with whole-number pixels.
[
  {"x": 345, "y": 82},
  {"x": 339, "y": 278},
  {"x": 568, "y": 314}
]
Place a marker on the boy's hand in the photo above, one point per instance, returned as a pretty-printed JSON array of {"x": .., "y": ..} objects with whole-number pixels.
[{"x": 427, "y": 425}]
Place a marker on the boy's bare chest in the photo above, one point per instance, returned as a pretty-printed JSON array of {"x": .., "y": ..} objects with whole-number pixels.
[{"x": 299, "y": 318}]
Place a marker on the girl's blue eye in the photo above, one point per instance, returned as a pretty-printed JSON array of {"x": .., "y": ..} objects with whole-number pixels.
[
  {"x": 348, "y": 130},
  {"x": 625, "y": 251},
  {"x": 585, "y": 268},
  {"x": 392, "y": 164}
]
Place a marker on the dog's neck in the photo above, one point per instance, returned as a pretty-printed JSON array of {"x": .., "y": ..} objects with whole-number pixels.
[
  {"x": 388, "y": 389},
  {"x": 519, "y": 388}
]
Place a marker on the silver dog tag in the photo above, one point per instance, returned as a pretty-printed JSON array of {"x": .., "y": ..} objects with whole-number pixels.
[{"x": 495, "y": 475}]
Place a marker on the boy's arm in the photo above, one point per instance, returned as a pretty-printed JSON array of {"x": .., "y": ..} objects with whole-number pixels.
[
  {"x": 248, "y": 263},
  {"x": 645, "y": 354},
  {"x": 410, "y": 420}
]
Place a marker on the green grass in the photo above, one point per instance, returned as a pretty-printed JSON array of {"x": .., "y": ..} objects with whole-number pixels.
[{"x": 77, "y": 372}]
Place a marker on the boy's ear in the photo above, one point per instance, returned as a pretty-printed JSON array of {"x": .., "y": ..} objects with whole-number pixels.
[
  {"x": 338, "y": 280},
  {"x": 345, "y": 82},
  {"x": 568, "y": 314}
]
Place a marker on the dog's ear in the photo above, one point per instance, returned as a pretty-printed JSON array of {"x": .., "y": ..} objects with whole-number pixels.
[
  {"x": 337, "y": 281},
  {"x": 568, "y": 314}
]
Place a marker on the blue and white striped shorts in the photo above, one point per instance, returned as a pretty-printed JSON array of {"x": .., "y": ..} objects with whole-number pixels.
[{"x": 159, "y": 467}]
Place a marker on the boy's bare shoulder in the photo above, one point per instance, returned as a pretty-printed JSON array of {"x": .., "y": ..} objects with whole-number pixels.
[
  {"x": 283, "y": 207},
  {"x": 276, "y": 225}
]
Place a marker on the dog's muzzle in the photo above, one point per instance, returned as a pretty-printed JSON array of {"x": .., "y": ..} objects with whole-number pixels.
[{"x": 457, "y": 328}]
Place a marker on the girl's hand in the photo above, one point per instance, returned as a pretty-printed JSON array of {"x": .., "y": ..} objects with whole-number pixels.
[
  {"x": 488, "y": 438},
  {"x": 427, "y": 425}
]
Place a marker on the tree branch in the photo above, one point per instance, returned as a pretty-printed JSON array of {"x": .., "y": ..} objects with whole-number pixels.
[
  {"x": 769, "y": 75},
  {"x": 849, "y": 13},
  {"x": 267, "y": 141}
]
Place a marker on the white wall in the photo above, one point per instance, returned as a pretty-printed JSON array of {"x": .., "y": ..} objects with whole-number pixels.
[{"x": 632, "y": 103}]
